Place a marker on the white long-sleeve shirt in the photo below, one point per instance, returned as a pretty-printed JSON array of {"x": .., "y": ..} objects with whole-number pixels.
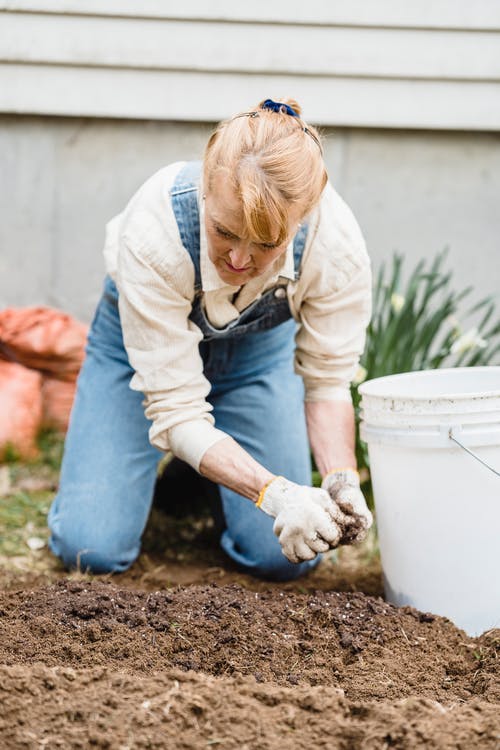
[{"x": 331, "y": 301}]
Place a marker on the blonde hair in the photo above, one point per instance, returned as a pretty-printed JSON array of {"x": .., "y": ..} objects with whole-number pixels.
[{"x": 274, "y": 161}]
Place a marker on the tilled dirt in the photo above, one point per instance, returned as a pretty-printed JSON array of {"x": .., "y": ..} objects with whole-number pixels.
[{"x": 91, "y": 664}]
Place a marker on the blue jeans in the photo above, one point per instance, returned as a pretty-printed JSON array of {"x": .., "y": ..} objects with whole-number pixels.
[{"x": 109, "y": 466}]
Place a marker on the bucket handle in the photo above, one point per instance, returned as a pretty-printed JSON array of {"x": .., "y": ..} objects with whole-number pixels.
[{"x": 452, "y": 437}]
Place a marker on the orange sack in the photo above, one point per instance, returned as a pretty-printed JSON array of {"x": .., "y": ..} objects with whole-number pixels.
[
  {"x": 43, "y": 351},
  {"x": 44, "y": 339},
  {"x": 20, "y": 410}
]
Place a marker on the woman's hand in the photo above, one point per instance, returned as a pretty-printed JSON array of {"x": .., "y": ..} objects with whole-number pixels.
[
  {"x": 307, "y": 520},
  {"x": 343, "y": 488},
  {"x": 331, "y": 433}
]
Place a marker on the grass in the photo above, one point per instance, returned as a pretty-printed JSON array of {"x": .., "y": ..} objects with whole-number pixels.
[
  {"x": 28, "y": 489},
  {"x": 23, "y": 521}
]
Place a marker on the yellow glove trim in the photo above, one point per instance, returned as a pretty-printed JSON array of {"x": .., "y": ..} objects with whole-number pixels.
[
  {"x": 260, "y": 499},
  {"x": 342, "y": 468}
]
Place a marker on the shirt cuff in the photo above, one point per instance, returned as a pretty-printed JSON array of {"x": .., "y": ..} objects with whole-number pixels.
[
  {"x": 189, "y": 441},
  {"x": 328, "y": 393}
]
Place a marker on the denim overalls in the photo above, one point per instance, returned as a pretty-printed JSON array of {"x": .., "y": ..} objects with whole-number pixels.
[{"x": 109, "y": 466}]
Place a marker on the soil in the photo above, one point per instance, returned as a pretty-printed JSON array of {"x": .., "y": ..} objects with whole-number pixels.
[
  {"x": 184, "y": 651},
  {"x": 135, "y": 662}
]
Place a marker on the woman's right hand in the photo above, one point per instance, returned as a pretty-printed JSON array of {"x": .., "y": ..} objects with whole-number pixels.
[{"x": 307, "y": 520}]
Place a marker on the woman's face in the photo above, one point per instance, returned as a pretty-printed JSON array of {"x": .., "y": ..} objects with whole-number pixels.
[{"x": 236, "y": 258}]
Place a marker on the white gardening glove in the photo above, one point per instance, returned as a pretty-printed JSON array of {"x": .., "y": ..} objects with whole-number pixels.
[
  {"x": 306, "y": 518},
  {"x": 343, "y": 487}
]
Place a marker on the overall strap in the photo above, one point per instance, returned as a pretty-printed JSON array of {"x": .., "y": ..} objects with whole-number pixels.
[
  {"x": 299, "y": 243},
  {"x": 184, "y": 197}
]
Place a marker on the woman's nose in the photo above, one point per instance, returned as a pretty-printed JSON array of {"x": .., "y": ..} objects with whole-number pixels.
[{"x": 240, "y": 256}]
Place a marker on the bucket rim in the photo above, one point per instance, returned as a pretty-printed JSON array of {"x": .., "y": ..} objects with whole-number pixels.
[{"x": 364, "y": 388}]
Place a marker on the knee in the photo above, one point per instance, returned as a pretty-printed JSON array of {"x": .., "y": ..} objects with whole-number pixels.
[
  {"x": 88, "y": 550},
  {"x": 88, "y": 559}
]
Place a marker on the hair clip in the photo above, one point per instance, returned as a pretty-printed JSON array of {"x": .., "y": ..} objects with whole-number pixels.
[
  {"x": 246, "y": 114},
  {"x": 279, "y": 107},
  {"x": 306, "y": 130}
]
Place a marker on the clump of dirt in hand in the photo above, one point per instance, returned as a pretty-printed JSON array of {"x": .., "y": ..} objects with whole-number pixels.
[
  {"x": 188, "y": 663},
  {"x": 353, "y": 527}
]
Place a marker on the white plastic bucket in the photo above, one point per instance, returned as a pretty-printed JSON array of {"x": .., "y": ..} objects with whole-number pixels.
[{"x": 438, "y": 507}]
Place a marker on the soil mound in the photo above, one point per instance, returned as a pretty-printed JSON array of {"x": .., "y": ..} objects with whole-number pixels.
[
  {"x": 88, "y": 664},
  {"x": 63, "y": 707}
]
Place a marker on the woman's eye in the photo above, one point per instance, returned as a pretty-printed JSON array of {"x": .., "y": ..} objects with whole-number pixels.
[
  {"x": 223, "y": 233},
  {"x": 268, "y": 246}
]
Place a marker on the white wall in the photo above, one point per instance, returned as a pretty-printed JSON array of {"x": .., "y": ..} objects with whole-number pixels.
[{"x": 431, "y": 64}]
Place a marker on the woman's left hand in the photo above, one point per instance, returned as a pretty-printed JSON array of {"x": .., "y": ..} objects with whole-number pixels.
[{"x": 343, "y": 487}]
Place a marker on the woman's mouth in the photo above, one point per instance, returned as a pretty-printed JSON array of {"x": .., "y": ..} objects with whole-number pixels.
[{"x": 236, "y": 270}]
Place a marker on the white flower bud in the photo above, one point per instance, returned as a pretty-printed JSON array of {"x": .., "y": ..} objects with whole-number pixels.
[
  {"x": 397, "y": 302},
  {"x": 467, "y": 341}
]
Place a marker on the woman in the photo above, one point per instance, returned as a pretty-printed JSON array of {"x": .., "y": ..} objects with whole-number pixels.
[{"x": 222, "y": 280}]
